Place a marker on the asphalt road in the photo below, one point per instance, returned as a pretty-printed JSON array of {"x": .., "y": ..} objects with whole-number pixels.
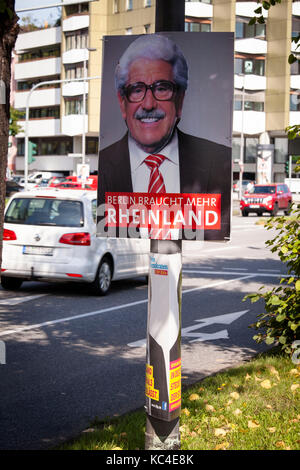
[{"x": 71, "y": 357}]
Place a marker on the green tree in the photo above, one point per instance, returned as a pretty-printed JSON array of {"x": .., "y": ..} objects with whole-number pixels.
[
  {"x": 280, "y": 323},
  {"x": 15, "y": 115},
  {"x": 8, "y": 34}
]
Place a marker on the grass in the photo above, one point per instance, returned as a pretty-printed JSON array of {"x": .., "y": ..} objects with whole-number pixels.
[{"x": 251, "y": 407}]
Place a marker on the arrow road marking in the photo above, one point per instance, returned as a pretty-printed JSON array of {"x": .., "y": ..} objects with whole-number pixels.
[{"x": 225, "y": 319}]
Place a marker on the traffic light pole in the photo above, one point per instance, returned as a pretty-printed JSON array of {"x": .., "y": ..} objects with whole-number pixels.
[
  {"x": 26, "y": 131},
  {"x": 163, "y": 366}
]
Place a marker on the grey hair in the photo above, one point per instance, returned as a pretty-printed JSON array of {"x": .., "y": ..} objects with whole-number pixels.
[{"x": 154, "y": 47}]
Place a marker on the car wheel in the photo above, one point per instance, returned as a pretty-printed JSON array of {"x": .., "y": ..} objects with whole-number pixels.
[
  {"x": 11, "y": 283},
  {"x": 245, "y": 213},
  {"x": 275, "y": 210},
  {"x": 103, "y": 278},
  {"x": 287, "y": 211}
]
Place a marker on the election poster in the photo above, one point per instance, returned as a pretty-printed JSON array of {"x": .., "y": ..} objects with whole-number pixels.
[{"x": 165, "y": 136}]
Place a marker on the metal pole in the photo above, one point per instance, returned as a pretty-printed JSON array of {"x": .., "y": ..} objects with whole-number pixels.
[
  {"x": 242, "y": 141},
  {"x": 164, "y": 434},
  {"x": 47, "y": 82},
  {"x": 84, "y": 111},
  {"x": 290, "y": 170}
]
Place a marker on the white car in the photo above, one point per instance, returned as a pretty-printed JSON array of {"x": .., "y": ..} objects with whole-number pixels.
[{"x": 50, "y": 235}]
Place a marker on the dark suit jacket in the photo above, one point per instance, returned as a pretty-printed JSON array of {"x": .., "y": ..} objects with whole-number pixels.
[{"x": 205, "y": 167}]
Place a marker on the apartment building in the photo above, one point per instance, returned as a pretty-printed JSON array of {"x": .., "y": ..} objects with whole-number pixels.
[{"x": 266, "y": 94}]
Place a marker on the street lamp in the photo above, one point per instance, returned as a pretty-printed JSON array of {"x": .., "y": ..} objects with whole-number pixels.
[
  {"x": 241, "y": 162},
  {"x": 89, "y": 49}
]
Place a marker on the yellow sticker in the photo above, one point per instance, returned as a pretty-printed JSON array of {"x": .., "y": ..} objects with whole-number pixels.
[
  {"x": 175, "y": 385},
  {"x": 151, "y": 392}
]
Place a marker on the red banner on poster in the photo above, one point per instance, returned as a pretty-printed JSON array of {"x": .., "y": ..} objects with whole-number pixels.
[{"x": 163, "y": 211}]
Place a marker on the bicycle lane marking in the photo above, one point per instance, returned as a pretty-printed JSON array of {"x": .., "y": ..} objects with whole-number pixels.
[{"x": 116, "y": 307}]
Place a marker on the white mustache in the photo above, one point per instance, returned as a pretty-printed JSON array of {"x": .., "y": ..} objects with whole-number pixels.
[{"x": 156, "y": 114}]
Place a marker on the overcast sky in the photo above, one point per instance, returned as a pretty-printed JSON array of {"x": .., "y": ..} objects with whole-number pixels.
[{"x": 48, "y": 14}]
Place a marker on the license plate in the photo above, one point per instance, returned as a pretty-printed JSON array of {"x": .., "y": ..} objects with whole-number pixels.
[
  {"x": 254, "y": 206},
  {"x": 37, "y": 250}
]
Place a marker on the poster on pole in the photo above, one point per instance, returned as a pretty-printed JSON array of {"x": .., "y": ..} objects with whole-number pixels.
[{"x": 165, "y": 136}]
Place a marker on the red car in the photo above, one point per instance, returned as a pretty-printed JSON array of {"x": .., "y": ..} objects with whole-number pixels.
[{"x": 267, "y": 198}]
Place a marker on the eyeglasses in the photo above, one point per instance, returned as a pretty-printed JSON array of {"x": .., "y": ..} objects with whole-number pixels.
[{"x": 162, "y": 90}]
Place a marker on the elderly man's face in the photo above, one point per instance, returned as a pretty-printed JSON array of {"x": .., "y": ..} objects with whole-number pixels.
[{"x": 151, "y": 122}]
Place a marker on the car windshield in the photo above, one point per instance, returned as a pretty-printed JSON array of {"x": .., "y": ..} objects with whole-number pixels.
[
  {"x": 45, "y": 211},
  {"x": 263, "y": 189}
]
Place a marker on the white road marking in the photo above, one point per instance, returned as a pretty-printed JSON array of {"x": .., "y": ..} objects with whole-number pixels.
[
  {"x": 198, "y": 271},
  {"x": 20, "y": 300},
  {"x": 111, "y": 309},
  {"x": 225, "y": 319}
]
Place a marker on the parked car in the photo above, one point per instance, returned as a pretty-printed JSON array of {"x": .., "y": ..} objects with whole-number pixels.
[
  {"x": 72, "y": 185},
  {"x": 12, "y": 187},
  {"x": 245, "y": 185},
  {"x": 50, "y": 235},
  {"x": 267, "y": 198}
]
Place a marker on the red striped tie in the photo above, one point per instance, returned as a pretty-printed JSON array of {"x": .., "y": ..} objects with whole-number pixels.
[{"x": 156, "y": 182}]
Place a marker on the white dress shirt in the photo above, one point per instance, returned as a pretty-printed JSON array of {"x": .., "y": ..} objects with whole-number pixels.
[{"x": 140, "y": 173}]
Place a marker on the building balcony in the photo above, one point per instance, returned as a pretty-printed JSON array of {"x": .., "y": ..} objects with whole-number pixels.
[
  {"x": 198, "y": 10},
  {"x": 247, "y": 9},
  {"x": 294, "y": 118},
  {"x": 254, "y": 122},
  {"x": 251, "y": 82},
  {"x": 75, "y": 55},
  {"x": 38, "y": 39},
  {"x": 47, "y": 163},
  {"x": 250, "y": 46},
  {"x": 39, "y": 98},
  {"x": 73, "y": 124},
  {"x": 45, "y": 127},
  {"x": 295, "y": 82},
  {"x": 75, "y": 88},
  {"x": 38, "y": 68},
  {"x": 296, "y": 8},
  {"x": 76, "y": 22}
]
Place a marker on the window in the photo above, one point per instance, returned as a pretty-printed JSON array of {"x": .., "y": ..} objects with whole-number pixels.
[
  {"x": 78, "y": 40},
  {"x": 74, "y": 106},
  {"x": 128, "y": 31},
  {"x": 74, "y": 71},
  {"x": 236, "y": 146},
  {"x": 295, "y": 68},
  {"x": 244, "y": 30},
  {"x": 75, "y": 9},
  {"x": 147, "y": 3},
  {"x": 45, "y": 52},
  {"x": 251, "y": 153},
  {"x": 92, "y": 145},
  {"x": 116, "y": 6},
  {"x": 249, "y": 66},
  {"x": 294, "y": 102},
  {"x": 249, "y": 105},
  {"x": 280, "y": 150},
  {"x": 129, "y": 5},
  {"x": 28, "y": 84},
  {"x": 193, "y": 26},
  {"x": 40, "y": 113}
]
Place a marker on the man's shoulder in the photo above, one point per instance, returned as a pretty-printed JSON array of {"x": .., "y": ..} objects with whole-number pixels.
[
  {"x": 190, "y": 141},
  {"x": 115, "y": 146}
]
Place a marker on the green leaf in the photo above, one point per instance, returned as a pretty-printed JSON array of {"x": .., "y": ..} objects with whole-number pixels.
[
  {"x": 261, "y": 20},
  {"x": 258, "y": 11},
  {"x": 297, "y": 285},
  {"x": 275, "y": 300},
  {"x": 252, "y": 21},
  {"x": 269, "y": 340},
  {"x": 266, "y": 5},
  {"x": 292, "y": 58}
]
